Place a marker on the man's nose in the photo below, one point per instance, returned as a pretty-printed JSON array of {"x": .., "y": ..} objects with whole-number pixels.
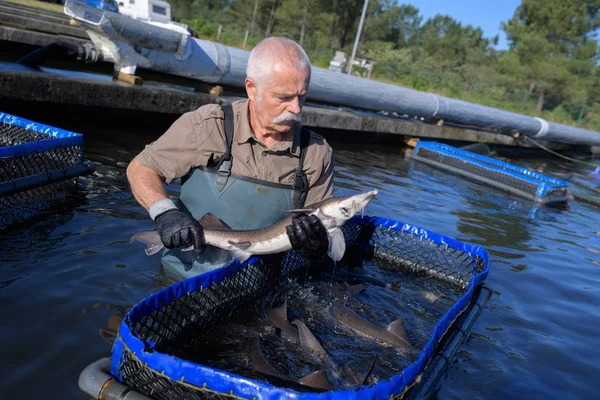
[{"x": 295, "y": 106}]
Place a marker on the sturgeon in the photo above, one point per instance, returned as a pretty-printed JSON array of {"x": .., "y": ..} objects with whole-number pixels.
[
  {"x": 394, "y": 333},
  {"x": 363, "y": 275},
  {"x": 310, "y": 344},
  {"x": 338, "y": 290},
  {"x": 316, "y": 380},
  {"x": 278, "y": 317},
  {"x": 333, "y": 213}
]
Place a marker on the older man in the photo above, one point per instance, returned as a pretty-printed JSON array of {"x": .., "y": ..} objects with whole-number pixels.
[{"x": 246, "y": 163}]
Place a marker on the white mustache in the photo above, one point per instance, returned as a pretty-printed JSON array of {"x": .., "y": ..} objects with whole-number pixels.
[{"x": 288, "y": 117}]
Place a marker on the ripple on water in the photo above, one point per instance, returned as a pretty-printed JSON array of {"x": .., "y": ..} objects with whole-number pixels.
[{"x": 535, "y": 339}]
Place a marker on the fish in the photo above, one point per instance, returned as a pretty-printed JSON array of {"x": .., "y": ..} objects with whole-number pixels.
[
  {"x": 364, "y": 276},
  {"x": 315, "y": 380},
  {"x": 422, "y": 296},
  {"x": 430, "y": 301},
  {"x": 311, "y": 345},
  {"x": 278, "y": 318},
  {"x": 308, "y": 341},
  {"x": 338, "y": 290},
  {"x": 394, "y": 333},
  {"x": 333, "y": 212}
]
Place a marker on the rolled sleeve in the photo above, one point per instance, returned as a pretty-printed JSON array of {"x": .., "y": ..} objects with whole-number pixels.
[{"x": 174, "y": 153}]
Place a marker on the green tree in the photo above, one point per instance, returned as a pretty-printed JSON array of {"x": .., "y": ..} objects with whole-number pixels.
[
  {"x": 553, "y": 42},
  {"x": 389, "y": 22},
  {"x": 551, "y": 65}
]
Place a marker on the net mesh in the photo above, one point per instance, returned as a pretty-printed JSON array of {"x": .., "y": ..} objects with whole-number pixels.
[
  {"x": 414, "y": 255},
  {"x": 176, "y": 327},
  {"x": 488, "y": 173},
  {"x": 18, "y": 205},
  {"x": 14, "y": 135}
]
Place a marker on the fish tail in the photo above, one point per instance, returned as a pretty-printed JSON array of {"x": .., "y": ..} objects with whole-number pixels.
[{"x": 151, "y": 239}]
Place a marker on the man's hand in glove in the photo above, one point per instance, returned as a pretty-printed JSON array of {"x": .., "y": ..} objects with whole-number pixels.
[
  {"x": 308, "y": 236},
  {"x": 178, "y": 229}
]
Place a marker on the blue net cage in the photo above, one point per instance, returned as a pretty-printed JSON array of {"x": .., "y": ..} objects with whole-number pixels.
[
  {"x": 507, "y": 177},
  {"x": 38, "y": 165},
  {"x": 158, "y": 339}
]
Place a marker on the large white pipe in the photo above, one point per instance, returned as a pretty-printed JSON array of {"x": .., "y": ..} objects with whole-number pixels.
[{"x": 214, "y": 63}]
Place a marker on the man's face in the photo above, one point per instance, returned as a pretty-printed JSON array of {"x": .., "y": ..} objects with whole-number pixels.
[{"x": 278, "y": 100}]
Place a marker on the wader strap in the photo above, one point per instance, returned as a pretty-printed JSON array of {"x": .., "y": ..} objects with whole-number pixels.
[
  {"x": 300, "y": 179},
  {"x": 225, "y": 161}
]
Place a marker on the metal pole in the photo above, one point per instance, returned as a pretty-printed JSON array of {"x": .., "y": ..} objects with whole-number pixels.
[
  {"x": 362, "y": 18},
  {"x": 245, "y": 40},
  {"x": 253, "y": 17}
]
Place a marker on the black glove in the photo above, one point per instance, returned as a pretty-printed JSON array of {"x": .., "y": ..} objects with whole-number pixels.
[
  {"x": 178, "y": 229},
  {"x": 308, "y": 236}
]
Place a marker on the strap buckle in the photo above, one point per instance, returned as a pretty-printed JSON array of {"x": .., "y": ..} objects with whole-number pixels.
[{"x": 223, "y": 174}]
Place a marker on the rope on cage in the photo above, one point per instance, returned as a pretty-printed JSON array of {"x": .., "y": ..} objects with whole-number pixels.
[
  {"x": 558, "y": 154},
  {"x": 575, "y": 195}
]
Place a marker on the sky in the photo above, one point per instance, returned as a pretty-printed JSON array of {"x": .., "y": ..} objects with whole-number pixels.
[{"x": 486, "y": 14}]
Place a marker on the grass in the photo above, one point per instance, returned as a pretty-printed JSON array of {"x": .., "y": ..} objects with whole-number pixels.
[{"x": 42, "y": 5}]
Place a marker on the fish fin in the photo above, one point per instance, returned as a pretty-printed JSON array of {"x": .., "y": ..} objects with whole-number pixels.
[
  {"x": 337, "y": 245},
  {"x": 370, "y": 371},
  {"x": 396, "y": 285},
  {"x": 259, "y": 362},
  {"x": 241, "y": 255},
  {"x": 304, "y": 332},
  {"x": 317, "y": 379},
  {"x": 308, "y": 339},
  {"x": 210, "y": 220},
  {"x": 238, "y": 250},
  {"x": 280, "y": 312},
  {"x": 397, "y": 328},
  {"x": 151, "y": 239},
  {"x": 354, "y": 289}
]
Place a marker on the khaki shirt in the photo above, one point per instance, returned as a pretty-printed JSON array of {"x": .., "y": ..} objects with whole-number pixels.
[{"x": 198, "y": 135}]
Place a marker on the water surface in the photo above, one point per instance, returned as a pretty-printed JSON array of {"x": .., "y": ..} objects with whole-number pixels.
[{"x": 65, "y": 277}]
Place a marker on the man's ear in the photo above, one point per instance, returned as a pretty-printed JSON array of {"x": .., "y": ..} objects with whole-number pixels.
[{"x": 251, "y": 89}]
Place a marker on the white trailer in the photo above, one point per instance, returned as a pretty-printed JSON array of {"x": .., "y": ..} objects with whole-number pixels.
[
  {"x": 155, "y": 12},
  {"x": 146, "y": 10}
]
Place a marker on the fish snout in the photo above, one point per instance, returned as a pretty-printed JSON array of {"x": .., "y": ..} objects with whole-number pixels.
[{"x": 366, "y": 199}]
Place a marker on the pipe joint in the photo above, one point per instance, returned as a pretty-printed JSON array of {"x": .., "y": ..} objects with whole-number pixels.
[
  {"x": 437, "y": 104},
  {"x": 544, "y": 128}
]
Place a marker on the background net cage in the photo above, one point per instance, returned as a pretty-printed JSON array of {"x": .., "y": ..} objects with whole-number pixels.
[
  {"x": 519, "y": 181},
  {"x": 38, "y": 166},
  {"x": 151, "y": 352}
]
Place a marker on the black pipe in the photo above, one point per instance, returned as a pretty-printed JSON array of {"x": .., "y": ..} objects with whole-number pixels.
[{"x": 85, "y": 52}]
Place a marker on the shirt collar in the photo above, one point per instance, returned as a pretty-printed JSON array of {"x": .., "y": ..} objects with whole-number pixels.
[{"x": 291, "y": 143}]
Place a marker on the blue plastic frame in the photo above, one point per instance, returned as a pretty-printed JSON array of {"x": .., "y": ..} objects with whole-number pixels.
[
  {"x": 544, "y": 182},
  {"x": 57, "y": 137},
  {"x": 37, "y": 180},
  {"x": 221, "y": 381}
]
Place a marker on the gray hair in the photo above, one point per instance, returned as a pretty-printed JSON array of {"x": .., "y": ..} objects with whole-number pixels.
[{"x": 270, "y": 51}]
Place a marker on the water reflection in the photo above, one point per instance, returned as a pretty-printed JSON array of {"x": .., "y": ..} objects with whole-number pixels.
[
  {"x": 77, "y": 257},
  {"x": 108, "y": 331},
  {"x": 34, "y": 236}
]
